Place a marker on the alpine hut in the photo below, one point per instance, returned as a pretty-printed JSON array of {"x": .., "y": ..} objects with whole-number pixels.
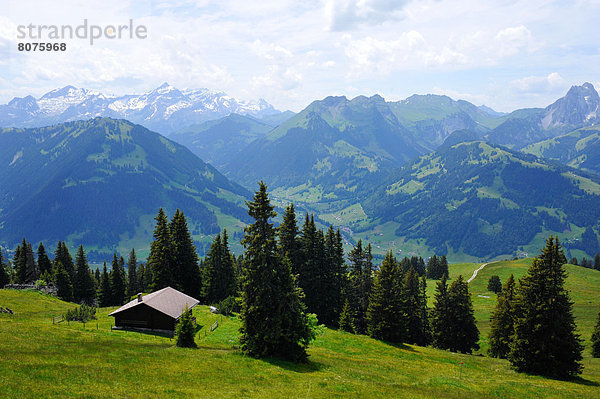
[{"x": 158, "y": 311}]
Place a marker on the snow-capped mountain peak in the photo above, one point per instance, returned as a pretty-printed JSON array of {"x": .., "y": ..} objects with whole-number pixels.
[{"x": 164, "y": 109}]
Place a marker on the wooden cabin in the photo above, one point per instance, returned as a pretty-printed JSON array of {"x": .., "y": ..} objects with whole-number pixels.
[{"x": 158, "y": 311}]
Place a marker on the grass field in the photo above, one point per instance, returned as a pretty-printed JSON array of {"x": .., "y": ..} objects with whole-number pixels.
[{"x": 39, "y": 359}]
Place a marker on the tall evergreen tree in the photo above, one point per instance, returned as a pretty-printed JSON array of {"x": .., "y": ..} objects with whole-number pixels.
[
  {"x": 463, "y": 330},
  {"x": 84, "y": 289},
  {"x": 44, "y": 263},
  {"x": 160, "y": 260},
  {"x": 63, "y": 256},
  {"x": 434, "y": 268},
  {"x": 289, "y": 243},
  {"x": 218, "y": 278},
  {"x": 597, "y": 261},
  {"x": 64, "y": 287},
  {"x": 4, "y": 277},
  {"x": 118, "y": 284},
  {"x": 596, "y": 339},
  {"x": 273, "y": 318},
  {"x": 385, "y": 316},
  {"x": 97, "y": 278},
  {"x": 502, "y": 321},
  {"x": 141, "y": 275},
  {"x": 443, "y": 265},
  {"x": 132, "y": 277},
  {"x": 440, "y": 315},
  {"x": 494, "y": 284},
  {"x": 105, "y": 291},
  {"x": 361, "y": 282},
  {"x": 335, "y": 279},
  {"x": 415, "y": 309},
  {"x": 544, "y": 340},
  {"x": 425, "y": 338},
  {"x": 185, "y": 257},
  {"x": 309, "y": 271},
  {"x": 25, "y": 264}
]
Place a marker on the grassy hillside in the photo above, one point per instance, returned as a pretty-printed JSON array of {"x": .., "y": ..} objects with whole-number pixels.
[{"x": 44, "y": 360}]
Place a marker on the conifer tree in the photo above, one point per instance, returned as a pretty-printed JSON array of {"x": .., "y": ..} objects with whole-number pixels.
[
  {"x": 346, "y": 322},
  {"x": 385, "y": 316},
  {"x": 44, "y": 263},
  {"x": 494, "y": 284},
  {"x": 597, "y": 261},
  {"x": 97, "y": 278},
  {"x": 574, "y": 261},
  {"x": 64, "y": 287},
  {"x": 105, "y": 291},
  {"x": 25, "y": 264},
  {"x": 544, "y": 340},
  {"x": 361, "y": 282},
  {"x": 185, "y": 331},
  {"x": 63, "y": 256},
  {"x": 443, "y": 265},
  {"x": 4, "y": 278},
  {"x": 118, "y": 284},
  {"x": 434, "y": 268},
  {"x": 335, "y": 278},
  {"x": 596, "y": 339},
  {"x": 425, "y": 338},
  {"x": 185, "y": 257},
  {"x": 462, "y": 331},
  {"x": 132, "y": 277},
  {"x": 141, "y": 275},
  {"x": 84, "y": 289},
  {"x": 218, "y": 278},
  {"x": 160, "y": 260},
  {"x": 310, "y": 268},
  {"x": 440, "y": 316},
  {"x": 415, "y": 309},
  {"x": 289, "y": 243},
  {"x": 502, "y": 321},
  {"x": 273, "y": 318}
]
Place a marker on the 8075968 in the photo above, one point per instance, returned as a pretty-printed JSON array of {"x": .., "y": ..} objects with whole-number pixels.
[{"x": 42, "y": 46}]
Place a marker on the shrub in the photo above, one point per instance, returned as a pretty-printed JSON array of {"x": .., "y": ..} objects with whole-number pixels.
[
  {"x": 84, "y": 313},
  {"x": 228, "y": 306}
]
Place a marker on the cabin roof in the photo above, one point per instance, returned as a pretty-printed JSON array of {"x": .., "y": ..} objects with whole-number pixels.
[{"x": 168, "y": 301}]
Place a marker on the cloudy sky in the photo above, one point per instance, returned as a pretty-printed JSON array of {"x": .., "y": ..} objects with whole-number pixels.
[{"x": 505, "y": 54}]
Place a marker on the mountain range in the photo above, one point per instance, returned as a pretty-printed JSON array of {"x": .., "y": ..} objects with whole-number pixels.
[
  {"x": 100, "y": 182},
  {"x": 423, "y": 175},
  {"x": 164, "y": 109}
]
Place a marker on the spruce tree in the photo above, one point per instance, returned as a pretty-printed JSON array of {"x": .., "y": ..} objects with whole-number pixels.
[
  {"x": 596, "y": 339},
  {"x": 118, "y": 284},
  {"x": 25, "y": 264},
  {"x": 218, "y": 276},
  {"x": 361, "y": 282},
  {"x": 434, "y": 268},
  {"x": 44, "y": 263},
  {"x": 289, "y": 243},
  {"x": 440, "y": 316},
  {"x": 544, "y": 340},
  {"x": 19, "y": 264},
  {"x": 597, "y": 261},
  {"x": 273, "y": 318},
  {"x": 185, "y": 331},
  {"x": 494, "y": 284},
  {"x": 443, "y": 265},
  {"x": 502, "y": 321},
  {"x": 64, "y": 287},
  {"x": 185, "y": 257},
  {"x": 574, "y": 261},
  {"x": 346, "y": 322},
  {"x": 455, "y": 328},
  {"x": 414, "y": 309},
  {"x": 105, "y": 291},
  {"x": 160, "y": 260},
  {"x": 63, "y": 256},
  {"x": 385, "y": 316},
  {"x": 141, "y": 276},
  {"x": 424, "y": 313},
  {"x": 335, "y": 278},
  {"x": 310, "y": 268},
  {"x": 4, "y": 277},
  {"x": 84, "y": 289},
  {"x": 132, "y": 277}
]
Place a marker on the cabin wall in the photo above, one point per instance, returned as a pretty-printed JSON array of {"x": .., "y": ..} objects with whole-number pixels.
[{"x": 143, "y": 316}]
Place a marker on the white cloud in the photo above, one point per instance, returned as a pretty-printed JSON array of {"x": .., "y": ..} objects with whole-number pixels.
[
  {"x": 350, "y": 14},
  {"x": 551, "y": 83}
]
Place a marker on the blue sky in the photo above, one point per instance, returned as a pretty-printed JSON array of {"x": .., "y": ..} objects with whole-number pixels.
[{"x": 505, "y": 54}]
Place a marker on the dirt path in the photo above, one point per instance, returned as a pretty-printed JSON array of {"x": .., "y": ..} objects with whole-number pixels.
[{"x": 475, "y": 272}]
